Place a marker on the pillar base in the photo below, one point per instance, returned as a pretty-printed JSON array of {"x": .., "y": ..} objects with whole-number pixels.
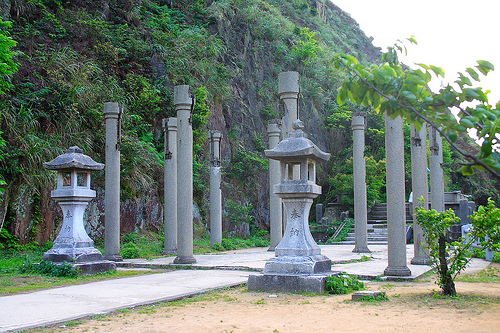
[
  {"x": 420, "y": 261},
  {"x": 169, "y": 252},
  {"x": 114, "y": 257},
  {"x": 397, "y": 271},
  {"x": 185, "y": 260},
  {"x": 361, "y": 249}
]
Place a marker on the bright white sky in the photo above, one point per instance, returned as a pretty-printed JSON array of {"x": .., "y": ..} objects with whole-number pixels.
[{"x": 451, "y": 34}]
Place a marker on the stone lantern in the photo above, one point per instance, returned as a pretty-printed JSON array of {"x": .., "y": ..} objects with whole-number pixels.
[
  {"x": 298, "y": 264},
  {"x": 73, "y": 193}
]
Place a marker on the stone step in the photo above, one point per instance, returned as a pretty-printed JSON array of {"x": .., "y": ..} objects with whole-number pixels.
[
  {"x": 380, "y": 238},
  {"x": 368, "y": 242}
]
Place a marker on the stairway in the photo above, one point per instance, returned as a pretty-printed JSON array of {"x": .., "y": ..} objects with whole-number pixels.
[{"x": 377, "y": 225}]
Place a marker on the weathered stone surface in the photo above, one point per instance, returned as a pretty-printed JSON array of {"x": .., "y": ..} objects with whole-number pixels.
[
  {"x": 112, "y": 114},
  {"x": 183, "y": 100},
  {"x": 298, "y": 257},
  {"x": 366, "y": 293},
  {"x": 73, "y": 158},
  {"x": 313, "y": 283},
  {"x": 275, "y": 206},
  {"x": 73, "y": 193},
  {"x": 420, "y": 189},
  {"x": 215, "y": 190},
  {"x": 170, "y": 185},
  {"x": 359, "y": 176},
  {"x": 396, "y": 211},
  {"x": 94, "y": 267}
]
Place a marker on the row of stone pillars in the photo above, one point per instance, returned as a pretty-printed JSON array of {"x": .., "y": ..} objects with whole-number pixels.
[
  {"x": 178, "y": 212},
  {"x": 396, "y": 212}
]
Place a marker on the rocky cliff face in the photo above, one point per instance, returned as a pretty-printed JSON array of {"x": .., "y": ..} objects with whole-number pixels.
[{"x": 79, "y": 54}]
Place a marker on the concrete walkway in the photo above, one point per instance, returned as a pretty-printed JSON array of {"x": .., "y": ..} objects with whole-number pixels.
[{"x": 214, "y": 271}]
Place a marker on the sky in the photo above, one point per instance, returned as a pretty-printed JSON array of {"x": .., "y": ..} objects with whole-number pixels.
[{"x": 450, "y": 34}]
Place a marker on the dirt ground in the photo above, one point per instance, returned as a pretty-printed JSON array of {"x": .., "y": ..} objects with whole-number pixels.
[{"x": 412, "y": 307}]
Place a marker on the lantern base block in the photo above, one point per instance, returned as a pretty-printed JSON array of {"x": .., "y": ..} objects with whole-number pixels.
[
  {"x": 73, "y": 254},
  {"x": 312, "y": 283},
  {"x": 313, "y": 264}
]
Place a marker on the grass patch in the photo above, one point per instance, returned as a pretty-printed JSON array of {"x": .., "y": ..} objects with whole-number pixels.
[
  {"x": 16, "y": 275},
  {"x": 488, "y": 275},
  {"x": 370, "y": 299}
]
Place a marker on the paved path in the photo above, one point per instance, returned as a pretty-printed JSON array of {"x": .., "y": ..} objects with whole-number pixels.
[{"x": 230, "y": 268}]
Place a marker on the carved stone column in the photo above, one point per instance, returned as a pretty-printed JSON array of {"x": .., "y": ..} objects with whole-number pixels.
[
  {"x": 359, "y": 175},
  {"x": 170, "y": 211},
  {"x": 396, "y": 219}
]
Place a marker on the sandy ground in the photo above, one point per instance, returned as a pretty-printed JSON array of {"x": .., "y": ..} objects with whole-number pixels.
[{"x": 412, "y": 307}]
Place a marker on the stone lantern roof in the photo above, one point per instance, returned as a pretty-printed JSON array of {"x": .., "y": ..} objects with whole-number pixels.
[
  {"x": 296, "y": 145},
  {"x": 73, "y": 158}
]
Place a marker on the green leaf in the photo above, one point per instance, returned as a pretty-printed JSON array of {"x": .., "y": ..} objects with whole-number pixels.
[
  {"x": 437, "y": 70},
  {"x": 472, "y": 73},
  {"x": 413, "y": 40},
  {"x": 466, "y": 122},
  {"x": 485, "y": 66},
  {"x": 453, "y": 136},
  {"x": 464, "y": 79},
  {"x": 466, "y": 170},
  {"x": 408, "y": 95},
  {"x": 424, "y": 66}
]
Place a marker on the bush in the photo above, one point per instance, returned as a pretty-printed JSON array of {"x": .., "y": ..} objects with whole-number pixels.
[
  {"x": 343, "y": 284},
  {"x": 130, "y": 251},
  {"x": 49, "y": 268},
  {"x": 218, "y": 247}
]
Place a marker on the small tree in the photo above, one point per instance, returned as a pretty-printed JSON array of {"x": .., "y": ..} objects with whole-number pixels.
[
  {"x": 448, "y": 259},
  {"x": 486, "y": 225}
]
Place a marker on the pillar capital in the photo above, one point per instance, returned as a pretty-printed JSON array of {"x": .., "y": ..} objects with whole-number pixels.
[
  {"x": 215, "y": 135},
  {"x": 170, "y": 124},
  {"x": 358, "y": 121},
  {"x": 288, "y": 85},
  {"x": 183, "y": 96},
  {"x": 273, "y": 129},
  {"x": 111, "y": 110}
]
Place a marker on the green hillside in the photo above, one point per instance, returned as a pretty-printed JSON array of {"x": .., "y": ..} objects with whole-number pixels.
[{"x": 75, "y": 55}]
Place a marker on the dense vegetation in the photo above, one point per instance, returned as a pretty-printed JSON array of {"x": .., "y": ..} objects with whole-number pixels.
[{"x": 74, "y": 55}]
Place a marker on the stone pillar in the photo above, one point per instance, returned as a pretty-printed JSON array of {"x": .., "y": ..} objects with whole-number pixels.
[
  {"x": 184, "y": 101},
  {"x": 420, "y": 189},
  {"x": 170, "y": 211},
  {"x": 396, "y": 219},
  {"x": 215, "y": 191},
  {"x": 435, "y": 161},
  {"x": 359, "y": 173},
  {"x": 275, "y": 210},
  {"x": 112, "y": 114},
  {"x": 288, "y": 89},
  {"x": 319, "y": 213}
]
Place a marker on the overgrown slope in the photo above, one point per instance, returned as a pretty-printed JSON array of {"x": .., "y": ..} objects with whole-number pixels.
[{"x": 76, "y": 54}]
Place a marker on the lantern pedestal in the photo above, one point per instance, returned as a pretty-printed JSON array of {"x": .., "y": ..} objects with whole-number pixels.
[
  {"x": 73, "y": 193},
  {"x": 299, "y": 264}
]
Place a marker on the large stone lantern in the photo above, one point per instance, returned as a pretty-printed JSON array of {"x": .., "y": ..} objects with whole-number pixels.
[
  {"x": 73, "y": 193},
  {"x": 298, "y": 264}
]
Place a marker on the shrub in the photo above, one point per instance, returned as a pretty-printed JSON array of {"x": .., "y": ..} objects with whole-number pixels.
[
  {"x": 49, "y": 268},
  {"x": 130, "y": 251},
  {"x": 343, "y": 284},
  {"x": 218, "y": 247}
]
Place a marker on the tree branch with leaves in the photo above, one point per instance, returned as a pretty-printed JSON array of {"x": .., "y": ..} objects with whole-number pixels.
[{"x": 398, "y": 90}]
